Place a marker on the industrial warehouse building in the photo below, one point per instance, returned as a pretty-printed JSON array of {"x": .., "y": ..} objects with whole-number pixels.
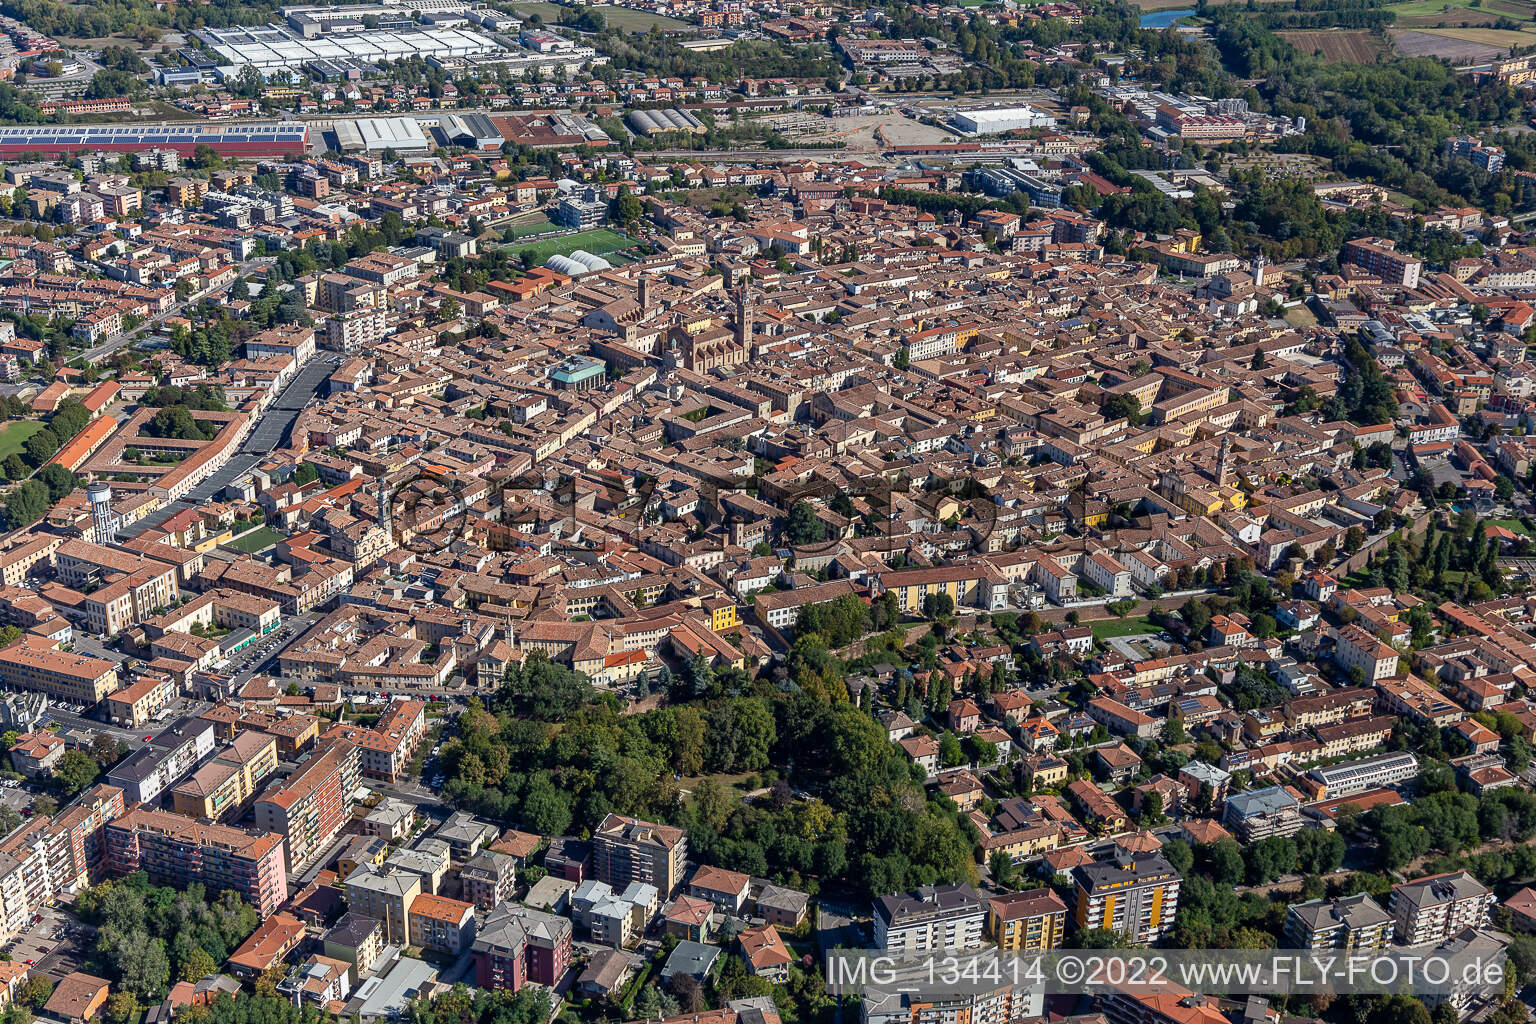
[
  {"x": 657, "y": 122},
  {"x": 249, "y": 139},
  {"x": 1000, "y": 119},
  {"x": 279, "y": 47},
  {"x": 471, "y": 131},
  {"x": 376, "y": 134}
]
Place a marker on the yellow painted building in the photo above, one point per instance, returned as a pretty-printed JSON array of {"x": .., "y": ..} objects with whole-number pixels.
[
  {"x": 234, "y": 776},
  {"x": 1136, "y": 896},
  {"x": 1032, "y": 920},
  {"x": 723, "y": 614}
]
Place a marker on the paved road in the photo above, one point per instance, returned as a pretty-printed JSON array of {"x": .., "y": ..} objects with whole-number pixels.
[
  {"x": 276, "y": 420},
  {"x": 81, "y": 724}
]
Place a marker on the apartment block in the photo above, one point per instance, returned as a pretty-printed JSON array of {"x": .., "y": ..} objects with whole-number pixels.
[
  {"x": 1136, "y": 895},
  {"x": 175, "y": 850},
  {"x": 386, "y": 895},
  {"x": 34, "y": 664},
  {"x": 517, "y": 944},
  {"x": 311, "y": 806},
  {"x": 165, "y": 760},
  {"x": 489, "y": 879},
  {"x": 388, "y": 747},
  {"x": 1032, "y": 920},
  {"x": 1379, "y": 256},
  {"x": 1357, "y": 649},
  {"x": 439, "y": 923},
  {"x": 1434, "y": 908},
  {"x": 628, "y": 850},
  {"x": 930, "y": 918},
  {"x": 48, "y": 856},
  {"x": 1262, "y": 813},
  {"x": 1355, "y": 924},
  {"x": 226, "y": 783}
]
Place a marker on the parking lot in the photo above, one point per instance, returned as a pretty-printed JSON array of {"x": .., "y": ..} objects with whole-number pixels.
[
  {"x": 1140, "y": 646},
  {"x": 50, "y": 943},
  {"x": 262, "y": 654}
]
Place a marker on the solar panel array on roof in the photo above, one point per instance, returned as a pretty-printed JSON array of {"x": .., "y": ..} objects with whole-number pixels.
[
  {"x": 279, "y": 47},
  {"x": 118, "y": 136}
]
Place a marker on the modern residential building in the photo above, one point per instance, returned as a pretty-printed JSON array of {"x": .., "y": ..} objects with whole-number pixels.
[
  {"x": 517, "y": 944},
  {"x": 1354, "y": 924},
  {"x": 1261, "y": 813},
  {"x": 1031, "y": 920},
  {"x": 318, "y": 981},
  {"x": 225, "y": 784},
  {"x": 931, "y": 917},
  {"x": 49, "y": 856},
  {"x": 175, "y": 850},
  {"x": 1350, "y": 777},
  {"x": 165, "y": 760},
  {"x": 1136, "y": 895},
  {"x": 357, "y": 939},
  {"x": 489, "y": 879},
  {"x": 386, "y": 895},
  {"x": 440, "y": 923},
  {"x": 628, "y": 850},
  {"x": 309, "y": 808},
  {"x": 1380, "y": 257},
  {"x": 1434, "y": 908}
]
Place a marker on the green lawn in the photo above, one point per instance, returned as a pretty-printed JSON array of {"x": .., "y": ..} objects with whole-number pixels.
[
  {"x": 1105, "y": 628},
  {"x": 532, "y": 226},
  {"x": 256, "y": 540},
  {"x": 15, "y": 435},
  {"x": 1512, "y": 525},
  {"x": 618, "y": 17},
  {"x": 599, "y": 242}
]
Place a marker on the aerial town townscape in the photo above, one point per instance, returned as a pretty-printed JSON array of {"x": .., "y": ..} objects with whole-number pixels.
[{"x": 528, "y": 512}]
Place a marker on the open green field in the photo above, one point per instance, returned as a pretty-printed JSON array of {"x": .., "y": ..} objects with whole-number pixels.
[
  {"x": 1512, "y": 525},
  {"x": 15, "y": 435},
  {"x": 256, "y": 540},
  {"x": 618, "y": 17},
  {"x": 1413, "y": 8},
  {"x": 532, "y": 226},
  {"x": 1106, "y": 628},
  {"x": 599, "y": 242}
]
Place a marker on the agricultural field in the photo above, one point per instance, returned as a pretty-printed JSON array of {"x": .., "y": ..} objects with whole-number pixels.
[
  {"x": 618, "y": 17},
  {"x": 599, "y": 242},
  {"x": 1455, "y": 44},
  {"x": 1339, "y": 46},
  {"x": 1488, "y": 36},
  {"x": 1422, "y": 8}
]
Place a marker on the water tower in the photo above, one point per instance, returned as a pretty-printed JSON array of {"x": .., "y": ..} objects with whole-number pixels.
[{"x": 100, "y": 496}]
